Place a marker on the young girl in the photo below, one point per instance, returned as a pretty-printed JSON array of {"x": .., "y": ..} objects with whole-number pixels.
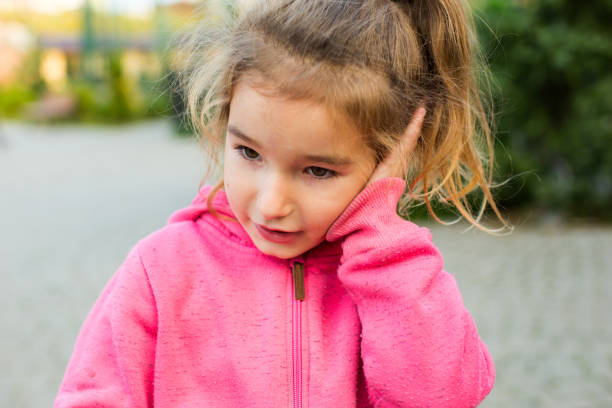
[{"x": 294, "y": 282}]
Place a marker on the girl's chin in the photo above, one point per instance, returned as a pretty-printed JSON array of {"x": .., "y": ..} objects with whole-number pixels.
[
  {"x": 282, "y": 251},
  {"x": 279, "y": 250}
]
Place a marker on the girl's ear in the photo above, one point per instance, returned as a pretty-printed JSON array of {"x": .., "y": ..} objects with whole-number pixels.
[
  {"x": 413, "y": 131},
  {"x": 394, "y": 163}
]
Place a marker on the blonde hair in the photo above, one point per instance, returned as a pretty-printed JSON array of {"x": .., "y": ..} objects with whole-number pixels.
[{"x": 373, "y": 61}]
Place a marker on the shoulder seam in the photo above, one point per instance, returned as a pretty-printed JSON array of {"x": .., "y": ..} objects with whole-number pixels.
[{"x": 146, "y": 274}]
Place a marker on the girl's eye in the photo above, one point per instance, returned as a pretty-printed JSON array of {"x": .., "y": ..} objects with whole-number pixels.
[
  {"x": 320, "y": 172},
  {"x": 248, "y": 153}
]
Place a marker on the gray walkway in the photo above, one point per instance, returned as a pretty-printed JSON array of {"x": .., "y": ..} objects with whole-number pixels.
[{"x": 74, "y": 200}]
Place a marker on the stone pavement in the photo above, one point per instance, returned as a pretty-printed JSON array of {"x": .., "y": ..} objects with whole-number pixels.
[
  {"x": 74, "y": 200},
  {"x": 542, "y": 301}
]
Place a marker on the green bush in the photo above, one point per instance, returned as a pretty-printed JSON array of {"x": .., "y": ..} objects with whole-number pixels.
[
  {"x": 551, "y": 60},
  {"x": 27, "y": 88},
  {"x": 13, "y": 98},
  {"x": 110, "y": 99},
  {"x": 119, "y": 106}
]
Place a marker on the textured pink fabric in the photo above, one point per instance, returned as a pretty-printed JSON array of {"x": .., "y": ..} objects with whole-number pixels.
[{"x": 197, "y": 317}]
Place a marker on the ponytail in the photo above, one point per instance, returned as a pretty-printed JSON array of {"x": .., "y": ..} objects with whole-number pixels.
[{"x": 457, "y": 152}]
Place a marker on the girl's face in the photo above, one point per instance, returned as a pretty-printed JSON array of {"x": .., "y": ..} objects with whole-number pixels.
[{"x": 290, "y": 170}]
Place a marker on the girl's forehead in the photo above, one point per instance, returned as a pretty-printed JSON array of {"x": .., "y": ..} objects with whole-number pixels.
[{"x": 264, "y": 115}]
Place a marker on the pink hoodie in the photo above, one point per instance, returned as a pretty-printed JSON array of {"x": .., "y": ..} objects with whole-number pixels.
[{"x": 196, "y": 316}]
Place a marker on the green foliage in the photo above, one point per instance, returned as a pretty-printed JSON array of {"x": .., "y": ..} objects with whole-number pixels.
[
  {"x": 113, "y": 99},
  {"x": 119, "y": 106},
  {"x": 13, "y": 98},
  {"x": 551, "y": 60},
  {"x": 102, "y": 96},
  {"x": 90, "y": 101},
  {"x": 27, "y": 88}
]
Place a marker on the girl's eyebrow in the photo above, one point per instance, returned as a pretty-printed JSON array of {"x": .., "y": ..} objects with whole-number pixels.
[
  {"x": 331, "y": 160},
  {"x": 238, "y": 133}
]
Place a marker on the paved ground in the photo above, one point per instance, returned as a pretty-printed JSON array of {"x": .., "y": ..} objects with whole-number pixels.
[{"x": 73, "y": 201}]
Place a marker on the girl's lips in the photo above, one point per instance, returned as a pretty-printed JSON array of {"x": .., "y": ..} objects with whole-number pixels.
[{"x": 279, "y": 237}]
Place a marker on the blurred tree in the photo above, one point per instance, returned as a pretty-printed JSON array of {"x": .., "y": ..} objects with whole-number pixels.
[
  {"x": 119, "y": 107},
  {"x": 28, "y": 87},
  {"x": 171, "y": 96},
  {"x": 87, "y": 41},
  {"x": 551, "y": 60}
]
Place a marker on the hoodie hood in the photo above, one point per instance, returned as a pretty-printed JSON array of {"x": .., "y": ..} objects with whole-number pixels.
[{"x": 198, "y": 208}]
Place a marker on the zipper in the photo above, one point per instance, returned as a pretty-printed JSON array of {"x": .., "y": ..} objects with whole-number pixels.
[{"x": 297, "y": 270}]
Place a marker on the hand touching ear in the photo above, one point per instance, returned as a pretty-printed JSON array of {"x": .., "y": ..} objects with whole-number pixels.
[{"x": 392, "y": 165}]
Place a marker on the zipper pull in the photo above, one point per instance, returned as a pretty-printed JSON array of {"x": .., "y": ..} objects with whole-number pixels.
[{"x": 298, "y": 280}]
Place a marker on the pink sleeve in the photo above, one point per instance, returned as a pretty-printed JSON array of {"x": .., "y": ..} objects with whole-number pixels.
[
  {"x": 112, "y": 361},
  {"x": 419, "y": 345}
]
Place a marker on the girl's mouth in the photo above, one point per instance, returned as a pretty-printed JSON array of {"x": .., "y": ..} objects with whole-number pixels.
[{"x": 280, "y": 237}]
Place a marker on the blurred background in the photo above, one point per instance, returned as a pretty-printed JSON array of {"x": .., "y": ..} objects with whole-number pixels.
[{"x": 95, "y": 155}]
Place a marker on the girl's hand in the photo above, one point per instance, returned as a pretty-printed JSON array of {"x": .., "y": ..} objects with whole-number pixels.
[{"x": 393, "y": 165}]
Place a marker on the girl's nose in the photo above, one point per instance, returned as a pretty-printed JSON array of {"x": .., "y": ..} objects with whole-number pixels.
[{"x": 274, "y": 199}]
